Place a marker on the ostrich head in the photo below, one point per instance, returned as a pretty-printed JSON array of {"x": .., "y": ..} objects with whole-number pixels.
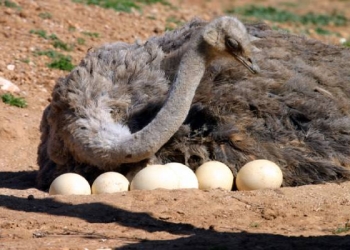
[{"x": 227, "y": 36}]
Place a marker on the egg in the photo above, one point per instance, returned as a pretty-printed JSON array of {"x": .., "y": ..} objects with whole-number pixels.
[
  {"x": 186, "y": 177},
  {"x": 153, "y": 177},
  {"x": 214, "y": 174},
  {"x": 259, "y": 174},
  {"x": 110, "y": 182},
  {"x": 70, "y": 183}
]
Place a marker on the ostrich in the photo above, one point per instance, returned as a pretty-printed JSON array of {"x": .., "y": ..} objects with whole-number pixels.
[
  {"x": 86, "y": 125},
  {"x": 187, "y": 97}
]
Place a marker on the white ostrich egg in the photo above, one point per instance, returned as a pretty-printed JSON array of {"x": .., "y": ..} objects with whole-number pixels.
[
  {"x": 70, "y": 183},
  {"x": 153, "y": 177},
  {"x": 186, "y": 177},
  {"x": 214, "y": 174},
  {"x": 259, "y": 174},
  {"x": 110, "y": 182}
]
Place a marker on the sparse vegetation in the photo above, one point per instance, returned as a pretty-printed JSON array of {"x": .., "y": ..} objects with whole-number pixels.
[
  {"x": 264, "y": 13},
  {"x": 56, "y": 42},
  {"x": 62, "y": 62},
  {"x": 53, "y": 37},
  {"x": 71, "y": 28},
  {"x": 90, "y": 34},
  {"x": 321, "y": 19},
  {"x": 59, "y": 44},
  {"x": 48, "y": 53},
  {"x": 45, "y": 15},
  {"x": 342, "y": 229},
  {"x": 10, "y": 4},
  {"x": 325, "y": 32},
  {"x": 80, "y": 41},
  {"x": 58, "y": 60},
  {"x": 121, "y": 5},
  {"x": 40, "y": 33},
  {"x": 279, "y": 15},
  {"x": 14, "y": 101},
  {"x": 347, "y": 43}
]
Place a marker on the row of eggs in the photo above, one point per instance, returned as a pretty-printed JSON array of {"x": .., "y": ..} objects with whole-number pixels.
[{"x": 258, "y": 174}]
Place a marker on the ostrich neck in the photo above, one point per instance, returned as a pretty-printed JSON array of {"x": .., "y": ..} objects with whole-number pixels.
[{"x": 146, "y": 142}]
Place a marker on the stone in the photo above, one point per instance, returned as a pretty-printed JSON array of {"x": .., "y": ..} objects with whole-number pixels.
[{"x": 8, "y": 86}]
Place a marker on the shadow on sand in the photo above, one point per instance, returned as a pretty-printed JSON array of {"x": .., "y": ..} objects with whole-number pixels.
[
  {"x": 18, "y": 180},
  {"x": 197, "y": 238}
]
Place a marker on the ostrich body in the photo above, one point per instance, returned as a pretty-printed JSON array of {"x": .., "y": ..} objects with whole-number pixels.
[
  {"x": 181, "y": 97},
  {"x": 88, "y": 118}
]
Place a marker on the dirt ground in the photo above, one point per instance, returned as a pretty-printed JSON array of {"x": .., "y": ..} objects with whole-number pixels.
[{"x": 307, "y": 217}]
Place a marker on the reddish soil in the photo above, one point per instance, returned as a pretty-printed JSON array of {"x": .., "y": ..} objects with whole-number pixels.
[{"x": 307, "y": 217}]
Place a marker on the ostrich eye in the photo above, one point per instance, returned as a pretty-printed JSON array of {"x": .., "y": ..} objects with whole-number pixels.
[{"x": 232, "y": 43}]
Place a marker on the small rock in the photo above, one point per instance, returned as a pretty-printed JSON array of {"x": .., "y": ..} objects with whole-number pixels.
[
  {"x": 11, "y": 67},
  {"x": 6, "y": 85},
  {"x": 23, "y": 14},
  {"x": 158, "y": 30}
]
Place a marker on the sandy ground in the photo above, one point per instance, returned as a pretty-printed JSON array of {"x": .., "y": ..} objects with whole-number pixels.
[{"x": 307, "y": 217}]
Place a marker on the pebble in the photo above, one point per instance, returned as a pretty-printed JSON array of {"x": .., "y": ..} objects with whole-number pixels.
[
  {"x": 342, "y": 40},
  {"x": 7, "y": 85},
  {"x": 11, "y": 67}
]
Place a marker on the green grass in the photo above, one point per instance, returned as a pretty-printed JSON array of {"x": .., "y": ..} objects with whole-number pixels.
[
  {"x": 59, "y": 44},
  {"x": 265, "y": 13},
  {"x": 71, "y": 28},
  {"x": 80, "y": 41},
  {"x": 322, "y": 31},
  {"x": 90, "y": 34},
  {"x": 323, "y": 20},
  {"x": 121, "y": 5},
  {"x": 58, "y": 60},
  {"x": 10, "y": 4},
  {"x": 48, "y": 53},
  {"x": 45, "y": 15},
  {"x": 14, "y": 101},
  {"x": 53, "y": 37},
  {"x": 325, "y": 32},
  {"x": 347, "y": 44},
  {"x": 63, "y": 63},
  {"x": 40, "y": 33},
  {"x": 342, "y": 229},
  {"x": 56, "y": 42},
  {"x": 279, "y": 15}
]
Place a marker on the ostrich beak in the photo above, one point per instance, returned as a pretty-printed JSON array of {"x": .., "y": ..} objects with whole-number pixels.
[{"x": 248, "y": 63}]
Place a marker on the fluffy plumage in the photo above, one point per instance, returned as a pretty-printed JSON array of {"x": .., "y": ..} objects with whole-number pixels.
[{"x": 295, "y": 112}]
